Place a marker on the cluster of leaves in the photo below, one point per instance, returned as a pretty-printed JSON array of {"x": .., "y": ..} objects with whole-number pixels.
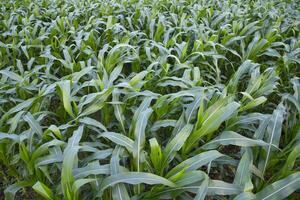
[{"x": 150, "y": 99}]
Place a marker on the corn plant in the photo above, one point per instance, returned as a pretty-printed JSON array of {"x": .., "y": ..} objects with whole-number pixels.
[{"x": 161, "y": 99}]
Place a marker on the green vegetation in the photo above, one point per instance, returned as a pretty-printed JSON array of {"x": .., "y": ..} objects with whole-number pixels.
[{"x": 150, "y": 99}]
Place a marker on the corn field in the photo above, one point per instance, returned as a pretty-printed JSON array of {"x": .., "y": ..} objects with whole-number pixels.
[{"x": 150, "y": 99}]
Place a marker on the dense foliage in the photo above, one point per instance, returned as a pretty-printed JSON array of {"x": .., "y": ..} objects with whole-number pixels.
[{"x": 150, "y": 99}]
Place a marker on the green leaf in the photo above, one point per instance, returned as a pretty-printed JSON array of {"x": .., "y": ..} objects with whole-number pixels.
[
  {"x": 65, "y": 88},
  {"x": 233, "y": 138},
  {"x": 253, "y": 103},
  {"x": 245, "y": 195},
  {"x": 195, "y": 162},
  {"x": 239, "y": 74},
  {"x": 119, "y": 139},
  {"x": 280, "y": 189},
  {"x": 79, "y": 183},
  {"x": 69, "y": 161},
  {"x": 176, "y": 143},
  {"x": 11, "y": 190},
  {"x": 291, "y": 160},
  {"x": 43, "y": 190},
  {"x": 12, "y": 75},
  {"x": 34, "y": 125},
  {"x": 139, "y": 135},
  {"x": 119, "y": 191},
  {"x": 92, "y": 122},
  {"x": 273, "y": 134},
  {"x": 13, "y": 137},
  {"x": 201, "y": 193},
  {"x": 96, "y": 101},
  {"x": 243, "y": 172},
  {"x": 211, "y": 123},
  {"x": 217, "y": 187},
  {"x": 135, "y": 178},
  {"x": 118, "y": 110},
  {"x": 93, "y": 168},
  {"x": 156, "y": 155},
  {"x": 45, "y": 147}
]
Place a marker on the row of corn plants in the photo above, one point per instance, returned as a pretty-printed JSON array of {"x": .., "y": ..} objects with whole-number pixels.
[{"x": 150, "y": 99}]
